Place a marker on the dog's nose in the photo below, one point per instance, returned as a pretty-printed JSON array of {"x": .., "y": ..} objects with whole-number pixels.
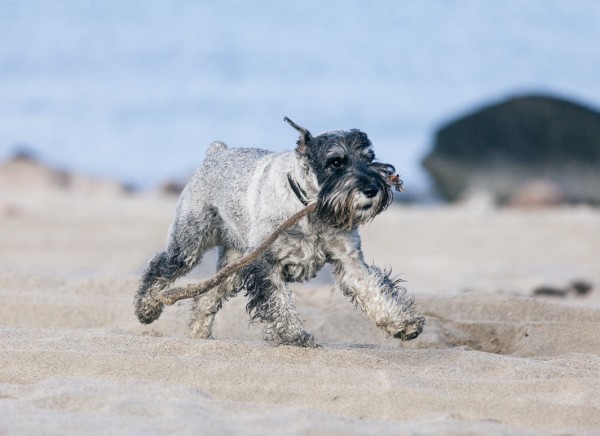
[{"x": 370, "y": 191}]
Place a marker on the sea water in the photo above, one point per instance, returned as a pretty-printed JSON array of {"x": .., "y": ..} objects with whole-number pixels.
[{"x": 136, "y": 90}]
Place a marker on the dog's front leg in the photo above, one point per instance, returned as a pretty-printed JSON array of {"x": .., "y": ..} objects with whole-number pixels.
[
  {"x": 272, "y": 302},
  {"x": 380, "y": 297},
  {"x": 283, "y": 324}
]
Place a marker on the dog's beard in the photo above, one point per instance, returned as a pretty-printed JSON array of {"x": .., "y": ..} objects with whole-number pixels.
[{"x": 342, "y": 203}]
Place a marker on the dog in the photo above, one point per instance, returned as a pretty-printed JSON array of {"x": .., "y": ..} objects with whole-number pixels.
[{"x": 238, "y": 196}]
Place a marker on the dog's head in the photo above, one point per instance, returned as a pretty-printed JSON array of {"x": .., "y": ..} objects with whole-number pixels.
[{"x": 353, "y": 187}]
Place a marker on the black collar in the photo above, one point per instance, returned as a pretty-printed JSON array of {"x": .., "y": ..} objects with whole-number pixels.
[{"x": 300, "y": 193}]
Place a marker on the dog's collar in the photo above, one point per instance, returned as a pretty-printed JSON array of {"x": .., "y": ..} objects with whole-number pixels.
[{"x": 300, "y": 193}]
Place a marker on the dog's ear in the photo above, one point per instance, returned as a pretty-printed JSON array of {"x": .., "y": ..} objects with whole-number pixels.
[{"x": 305, "y": 137}]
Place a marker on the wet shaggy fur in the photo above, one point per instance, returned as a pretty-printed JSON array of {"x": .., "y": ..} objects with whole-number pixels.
[{"x": 238, "y": 196}]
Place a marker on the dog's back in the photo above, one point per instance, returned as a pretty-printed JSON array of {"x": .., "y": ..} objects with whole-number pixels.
[{"x": 238, "y": 187}]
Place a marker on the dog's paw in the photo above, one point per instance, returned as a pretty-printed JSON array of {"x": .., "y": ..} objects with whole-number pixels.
[
  {"x": 200, "y": 332},
  {"x": 408, "y": 331},
  {"x": 303, "y": 339},
  {"x": 147, "y": 309},
  {"x": 307, "y": 341}
]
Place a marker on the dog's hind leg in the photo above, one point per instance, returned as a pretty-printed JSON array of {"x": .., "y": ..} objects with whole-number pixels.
[
  {"x": 190, "y": 237},
  {"x": 207, "y": 305}
]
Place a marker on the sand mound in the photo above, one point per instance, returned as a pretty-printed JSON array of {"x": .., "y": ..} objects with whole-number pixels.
[{"x": 24, "y": 172}]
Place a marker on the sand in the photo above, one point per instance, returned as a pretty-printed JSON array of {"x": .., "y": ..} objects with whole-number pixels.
[{"x": 493, "y": 359}]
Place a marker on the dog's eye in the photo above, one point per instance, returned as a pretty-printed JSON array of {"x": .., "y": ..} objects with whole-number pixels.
[{"x": 336, "y": 162}]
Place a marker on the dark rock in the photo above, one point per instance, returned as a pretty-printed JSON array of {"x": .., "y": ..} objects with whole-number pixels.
[
  {"x": 24, "y": 153},
  {"x": 579, "y": 288},
  {"x": 171, "y": 187},
  {"x": 550, "y": 291},
  {"x": 506, "y": 146}
]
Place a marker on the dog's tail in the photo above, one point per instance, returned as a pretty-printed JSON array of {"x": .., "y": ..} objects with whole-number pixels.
[{"x": 215, "y": 147}]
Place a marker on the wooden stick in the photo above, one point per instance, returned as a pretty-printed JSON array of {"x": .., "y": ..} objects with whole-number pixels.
[{"x": 172, "y": 295}]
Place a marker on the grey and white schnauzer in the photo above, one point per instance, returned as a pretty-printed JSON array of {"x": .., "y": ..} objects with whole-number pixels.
[{"x": 238, "y": 196}]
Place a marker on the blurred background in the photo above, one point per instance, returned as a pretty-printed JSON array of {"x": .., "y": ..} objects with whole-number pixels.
[{"x": 136, "y": 90}]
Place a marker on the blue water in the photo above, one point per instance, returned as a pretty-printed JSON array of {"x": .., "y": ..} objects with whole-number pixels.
[{"x": 137, "y": 89}]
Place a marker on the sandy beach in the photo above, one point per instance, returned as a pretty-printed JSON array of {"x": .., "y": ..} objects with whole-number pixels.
[{"x": 493, "y": 358}]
